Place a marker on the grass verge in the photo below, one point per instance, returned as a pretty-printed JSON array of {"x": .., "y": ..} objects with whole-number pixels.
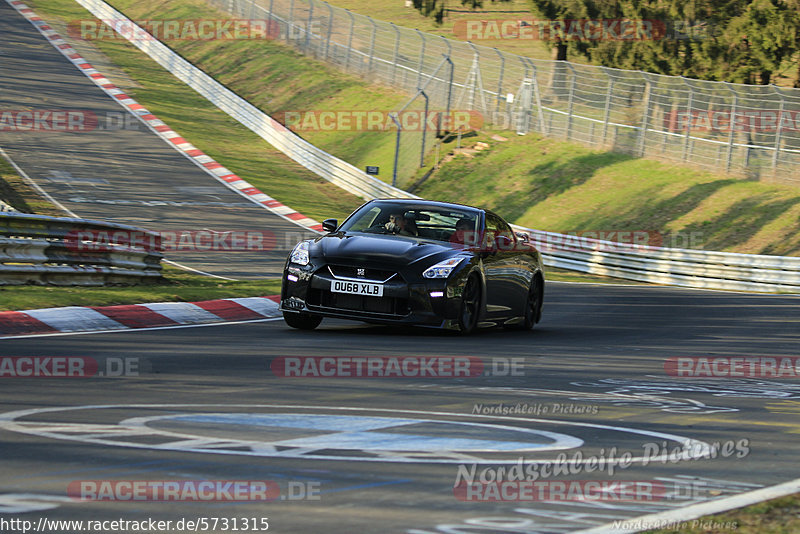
[
  {"x": 777, "y": 516},
  {"x": 177, "y": 286}
]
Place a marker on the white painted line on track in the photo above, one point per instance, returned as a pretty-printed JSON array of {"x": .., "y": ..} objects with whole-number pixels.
[
  {"x": 694, "y": 511},
  {"x": 133, "y": 330}
]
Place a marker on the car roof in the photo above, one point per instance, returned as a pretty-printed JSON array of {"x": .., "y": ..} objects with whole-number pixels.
[{"x": 432, "y": 203}]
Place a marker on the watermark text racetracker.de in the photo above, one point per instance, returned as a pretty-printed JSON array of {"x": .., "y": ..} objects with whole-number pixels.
[
  {"x": 67, "y": 367},
  {"x": 377, "y": 120},
  {"x": 66, "y": 120},
  {"x": 173, "y": 240},
  {"x": 733, "y": 366},
  {"x": 394, "y": 367},
  {"x": 194, "y": 524},
  {"x": 194, "y": 490},
  {"x": 626, "y": 30}
]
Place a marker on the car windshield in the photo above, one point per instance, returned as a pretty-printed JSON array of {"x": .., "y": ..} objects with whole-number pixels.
[{"x": 438, "y": 223}]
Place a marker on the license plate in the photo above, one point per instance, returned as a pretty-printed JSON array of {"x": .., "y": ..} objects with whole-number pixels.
[{"x": 357, "y": 288}]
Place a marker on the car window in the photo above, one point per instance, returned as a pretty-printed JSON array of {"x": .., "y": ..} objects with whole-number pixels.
[
  {"x": 495, "y": 226},
  {"x": 415, "y": 220}
]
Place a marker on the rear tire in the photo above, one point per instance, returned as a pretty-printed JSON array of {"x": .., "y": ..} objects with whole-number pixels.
[
  {"x": 533, "y": 304},
  {"x": 533, "y": 307},
  {"x": 470, "y": 308},
  {"x": 302, "y": 321}
]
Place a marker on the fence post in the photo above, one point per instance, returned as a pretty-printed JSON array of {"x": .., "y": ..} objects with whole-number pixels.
[
  {"x": 396, "y": 50},
  {"x": 371, "y": 43},
  {"x": 537, "y": 97},
  {"x": 289, "y": 22},
  {"x": 778, "y": 131},
  {"x": 308, "y": 23},
  {"x": 393, "y": 115},
  {"x": 500, "y": 79},
  {"x": 349, "y": 40},
  {"x": 648, "y": 89},
  {"x": 607, "y": 110},
  {"x": 421, "y": 57},
  {"x": 686, "y": 138},
  {"x": 271, "y": 5},
  {"x": 424, "y": 129},
  {"x": 570, "y": 101},
  {"x": 450, "y": 82},
  {"x": 330, "y": 29},
  {"x": 729, "y": 155}
]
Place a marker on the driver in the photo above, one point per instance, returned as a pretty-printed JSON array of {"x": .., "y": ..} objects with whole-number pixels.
[{"x": 400, "y": 225}]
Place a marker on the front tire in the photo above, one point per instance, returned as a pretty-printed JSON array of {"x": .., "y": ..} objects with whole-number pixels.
[
  {"x": 302, "y": 321},
  {"x": 470, "y": 308}
]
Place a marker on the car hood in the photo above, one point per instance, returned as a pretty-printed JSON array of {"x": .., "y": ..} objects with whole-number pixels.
[{"x": 388, "y": 250}]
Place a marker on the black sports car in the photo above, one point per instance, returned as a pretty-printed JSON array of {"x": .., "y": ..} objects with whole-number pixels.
[{"x": 415, "y": 262}]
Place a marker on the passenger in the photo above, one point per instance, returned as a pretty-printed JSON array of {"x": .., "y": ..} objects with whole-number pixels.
[{"x": 464, "y": 234}]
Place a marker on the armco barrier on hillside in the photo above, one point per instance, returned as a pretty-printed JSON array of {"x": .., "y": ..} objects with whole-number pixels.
[
  {"x": 40, "y": 250},
  {"x": 681, "y": 267}
]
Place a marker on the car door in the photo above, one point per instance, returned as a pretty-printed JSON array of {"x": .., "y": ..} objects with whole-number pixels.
[{"x": 505, "y": 276}]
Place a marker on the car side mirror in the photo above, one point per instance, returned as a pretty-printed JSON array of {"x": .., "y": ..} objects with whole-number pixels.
[
  {"x": 523, "y": 237},
  {"x": 330, "y": 225},
  {"x": 503, "y": 243}
]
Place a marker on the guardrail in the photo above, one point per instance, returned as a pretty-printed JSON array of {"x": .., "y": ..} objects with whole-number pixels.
[
  {"x": 701, "y": 269},
  {"x": 36, "y": 249},
  {"x": 681, "y": 267}
]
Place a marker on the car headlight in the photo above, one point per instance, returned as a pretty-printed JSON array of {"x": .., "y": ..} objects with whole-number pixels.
[
  {"x": 443, "y": 268},
  {"x": 300, "y": 254}
]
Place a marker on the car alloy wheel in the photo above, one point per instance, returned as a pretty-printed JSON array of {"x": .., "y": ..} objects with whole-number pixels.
[{"x": 470, "y": 306}]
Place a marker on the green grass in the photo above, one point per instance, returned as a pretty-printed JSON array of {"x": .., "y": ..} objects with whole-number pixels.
[
  {"x": 778, "y": 516},
  {"x": 566, "y": 187},
  {"x": 177, "y": 286},
  {"x": 20, "y": 196}
]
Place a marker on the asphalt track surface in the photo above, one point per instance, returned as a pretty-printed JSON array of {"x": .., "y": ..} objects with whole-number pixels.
[
  {"x": 121, "y": 171},
  {"x": 382, "y": 454}
]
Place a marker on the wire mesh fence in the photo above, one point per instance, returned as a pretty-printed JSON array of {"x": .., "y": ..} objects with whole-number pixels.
[{"x": 747, "y": 130}]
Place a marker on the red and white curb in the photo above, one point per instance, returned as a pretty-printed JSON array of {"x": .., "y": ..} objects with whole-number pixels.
[
  {"x": 202, "y": 160},
  {"x": 131, "y": 316}
]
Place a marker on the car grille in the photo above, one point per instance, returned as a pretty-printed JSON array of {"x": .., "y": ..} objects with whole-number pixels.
[
  {"x": 370, "y": 275},
  {"x": 358, "y": 303}
]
